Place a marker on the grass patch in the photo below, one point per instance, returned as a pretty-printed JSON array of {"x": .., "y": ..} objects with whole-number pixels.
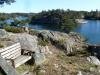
[
  {"x": 1, "y": 45},
  {"x": 37, "y": 70},
  {"x": 81, "y": 53},
  {"x": 43, "y": 42},
  {"x": 33, "y": 32},
  {"x": 61, "y": 41},
  {"x": 77, "y": 61},
  {"x": 23, "y": 68}
]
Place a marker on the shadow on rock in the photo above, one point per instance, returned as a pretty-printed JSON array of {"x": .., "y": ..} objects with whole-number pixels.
[{"x": 94, "y": 50}]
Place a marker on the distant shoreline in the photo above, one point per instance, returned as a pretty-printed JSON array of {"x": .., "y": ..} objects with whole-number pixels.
[{"x": 81, "y": 21}]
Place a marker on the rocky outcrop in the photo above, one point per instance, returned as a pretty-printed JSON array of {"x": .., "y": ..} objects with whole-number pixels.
[
  {"x": 55, "y": 57},
  {"x": 40, "y": 54},
  {"x": 28, "y": 42},
  {"x": 93, "y": 60},
  {"x": 39, "y": 58},
  {"x": 68, "y": 42}
]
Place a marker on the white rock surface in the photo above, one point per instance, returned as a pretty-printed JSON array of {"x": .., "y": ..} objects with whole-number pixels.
[
  {"x": 3, "y": 33},
  {"x": 79, "y": 73},
  {"x": 39, "y": 58},
  {"x": 93, "y": 60},
  {"x": 28, "y": 42}
]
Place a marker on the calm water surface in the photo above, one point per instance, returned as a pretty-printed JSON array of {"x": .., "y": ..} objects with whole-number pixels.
[{"x": 91, "y": 31}]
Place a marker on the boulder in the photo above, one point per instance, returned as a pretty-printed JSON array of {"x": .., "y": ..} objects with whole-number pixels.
[
  {"x": 45, "y": 50},
  {"x": 93, "y": 60},
  {"x": 28, "y": 42},
  {"x": 79, "y": 73},
  {"x": 39, "y": 58},
  {"x": 3, "y": 33},
  {"x": 40, "y": 55}
]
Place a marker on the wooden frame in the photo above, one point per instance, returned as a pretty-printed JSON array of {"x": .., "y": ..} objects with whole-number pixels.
[{"x": 14, "y": 55}]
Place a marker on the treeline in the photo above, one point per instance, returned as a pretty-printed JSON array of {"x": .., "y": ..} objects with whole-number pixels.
[
  {"x": 4, "y": 16},
  {"x": 64, "y": 20},
  {"x": 59, "y": 19},
  {"x": 93, "y": 15}
]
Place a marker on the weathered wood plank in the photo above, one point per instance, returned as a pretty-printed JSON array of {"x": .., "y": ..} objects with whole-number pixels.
[
  {"x": 15, "y": 45},
  {"x": 13, "y": 56},
  {"x": 21, "y": 60},
  {"x": 11, "y": 49},
  {"x": 11, "y": 53}
]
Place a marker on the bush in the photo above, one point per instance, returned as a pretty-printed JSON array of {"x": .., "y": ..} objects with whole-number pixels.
[
  {"x": 79, "y": 53},
  {"x": 61, "y": 41},
  {"x": 1, "y": 45},
  {"x": 13, "y": 29},
  {"x": 33, "y": 32},
  {"x": 43, "y": 42}
]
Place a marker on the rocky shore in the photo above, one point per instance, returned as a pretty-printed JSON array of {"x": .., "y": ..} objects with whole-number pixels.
[{"x": 54, "y": 53}]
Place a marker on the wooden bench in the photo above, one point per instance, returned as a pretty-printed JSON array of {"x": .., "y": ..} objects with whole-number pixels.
[{"x": 13, "y": 55}]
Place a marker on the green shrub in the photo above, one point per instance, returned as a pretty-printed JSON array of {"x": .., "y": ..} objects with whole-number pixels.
[
  {"x": 43, "y": 42},
  {"x": 79, "y": 53},
  {"x": 61, "y": 41},
  {"x": 1, "y": 45},
  {"x": 33, "y": 32},
  {"x": 13, "y": 29}
]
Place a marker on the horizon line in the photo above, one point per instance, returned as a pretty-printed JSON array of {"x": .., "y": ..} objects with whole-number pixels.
[{"x": 50, "y": 9}]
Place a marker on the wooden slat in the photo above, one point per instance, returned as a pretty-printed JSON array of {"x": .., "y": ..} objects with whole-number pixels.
[
  {"x": 21, "y": 60},
  {"x": 14, "y": 55},
  {"x": 11, "y": 50},
  {"x": 4, "y": 49},
  {"x": 11, "y": 53}
]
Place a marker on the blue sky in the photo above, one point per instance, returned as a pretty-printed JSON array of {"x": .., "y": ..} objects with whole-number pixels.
[{"x": 39, "y": 5}]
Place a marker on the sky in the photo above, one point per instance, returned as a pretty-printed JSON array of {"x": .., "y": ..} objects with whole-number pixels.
[{"x": 30, "y": 6}]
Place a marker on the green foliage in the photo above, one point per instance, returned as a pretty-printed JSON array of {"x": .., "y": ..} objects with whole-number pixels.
[
  {"x": 68, "y": 25},
  {"x": 1, "y": 45},
  {"x": 63, "y": 20},
  {"x": 13, "y": 29},
  {"x": 43, "y": 42},
  {"x": 37, "y": 70},
  {"x": 58, "y": 19},
  {"x": 23, "y": 68},
  {"x": 76, "y": 61},
  {"x": 21, "y": 23},
  {"x": 93, "y": 15},
  {"x": 3, "y": 16},
  {"x": 79, "y": 53},
  {"x": 6, "y": 1},
  {"x": 61, "y": 41},
  {"x": 33, "y": 32}
]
